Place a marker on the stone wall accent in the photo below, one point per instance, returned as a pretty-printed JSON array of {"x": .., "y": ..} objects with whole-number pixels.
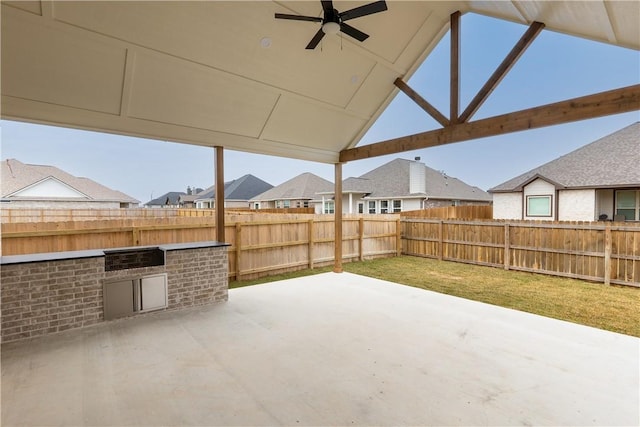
[
  {"x": 42, "y": 298},
  {"x": 45, "y": 297}
]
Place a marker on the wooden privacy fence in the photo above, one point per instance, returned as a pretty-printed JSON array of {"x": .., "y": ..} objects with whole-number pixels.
[
  {"x": 261, "y": 244},
  {"x": 604, "y": 252},
  {"x": 13, "y": 215},
  {"x": 452, "y": 212}
]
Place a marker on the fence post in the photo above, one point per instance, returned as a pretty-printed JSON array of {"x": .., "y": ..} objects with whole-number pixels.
[
  {"x": 398, "y": 238},
  {"x": 507, "y": 244},
  {"x": 361, "y": 238},
  {"x": 607, "y": 254},
  {"x": 135, "y": 236},
  {"x": 311, "y": 243},
  {"x": 238, "y": 248},
  {"x": 440, "y": 240}
]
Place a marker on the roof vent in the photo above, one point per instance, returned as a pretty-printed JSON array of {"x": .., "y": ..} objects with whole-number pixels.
[{"x": 417, "y": 158}]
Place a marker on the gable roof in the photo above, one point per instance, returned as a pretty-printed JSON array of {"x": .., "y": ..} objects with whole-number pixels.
[
  {"x": 259, "y": 90},
  {"x": 303, "y": 186},
  {"x": 243, "y": 188},
  {"x": 393, "y": 180},
  {"x": 18, "y": 176},
  {"x": 611, "y": 161},
  {"x": 170, "y": 198}
]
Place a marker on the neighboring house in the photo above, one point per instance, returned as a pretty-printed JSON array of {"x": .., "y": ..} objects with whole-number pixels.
[
  {"x": 598, "y": 181},
  {"x": 298, "y": 192},
  {"x": 404, "y": 185},
  {"x": 167, "y": 200},
  {"x": 47, "y": 187},
  {"x": 188, "y": 201},
  {"x": 237, "y": 193}
]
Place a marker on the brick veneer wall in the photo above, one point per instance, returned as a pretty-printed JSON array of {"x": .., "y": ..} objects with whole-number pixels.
[{"x": 40, "y": 298}]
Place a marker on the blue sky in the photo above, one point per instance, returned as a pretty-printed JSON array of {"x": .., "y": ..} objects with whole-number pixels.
[{"x": 554, "y": 68}]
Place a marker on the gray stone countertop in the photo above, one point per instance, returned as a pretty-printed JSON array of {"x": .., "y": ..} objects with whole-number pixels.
[{"x": 93, "y": 253}]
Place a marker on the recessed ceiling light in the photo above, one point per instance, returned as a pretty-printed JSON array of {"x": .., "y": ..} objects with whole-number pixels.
[{"x": 265, "y": 42}]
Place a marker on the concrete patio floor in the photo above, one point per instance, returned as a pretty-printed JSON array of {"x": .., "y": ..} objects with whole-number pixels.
[{"x": 330, "y": 349}]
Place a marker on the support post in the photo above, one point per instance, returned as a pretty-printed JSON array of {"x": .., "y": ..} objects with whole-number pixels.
[
  {"x": 219, "y": 185},
  {"x": 455, "y": 68},
  {"x": 238, "y": 244},
  {"x": 337, "y": 266},
  {"x": 507, "y": 244},
  {"x": 311, "y": 243},
  {"x": 361, "y": 239},
  {"x": 398, "y": 237},
  {"x": 440, "y": 240},
  {"x": 607, "y": 254}
]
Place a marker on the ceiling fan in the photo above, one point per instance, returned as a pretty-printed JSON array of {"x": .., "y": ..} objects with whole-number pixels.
[{"x": 333, "y": 21}]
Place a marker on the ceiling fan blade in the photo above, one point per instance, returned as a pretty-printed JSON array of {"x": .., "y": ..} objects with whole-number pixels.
[
  {"x": 367, "y": 9},
  {"x": 316, "y": 39},
  {"x": 298, "y": 17},
  {"x": 353, "y": 32},
  {"x": 327, "y": 6}
]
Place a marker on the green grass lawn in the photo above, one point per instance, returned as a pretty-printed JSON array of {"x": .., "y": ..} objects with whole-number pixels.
[{"x": 613, "y": 308}]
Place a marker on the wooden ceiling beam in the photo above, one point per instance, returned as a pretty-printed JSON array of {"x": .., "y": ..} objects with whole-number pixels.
[
  {"x": 527, "y": 38},
  {"x": 423, "y": 103},
  {"x": 454, "y": 71},
  {"x": 615, "y": 101}
]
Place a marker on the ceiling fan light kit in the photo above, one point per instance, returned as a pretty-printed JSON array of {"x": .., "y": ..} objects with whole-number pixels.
[{"x": 333, "y": 21}]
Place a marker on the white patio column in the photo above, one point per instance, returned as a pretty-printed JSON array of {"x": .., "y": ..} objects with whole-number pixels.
[{"x": 350, "y": 203}]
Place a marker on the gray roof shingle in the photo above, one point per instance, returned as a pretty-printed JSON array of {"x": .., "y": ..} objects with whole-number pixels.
[
  {"x": 17, "y": 176},
  {"x": 393, "y": 179},
  {"x": 243, "y": 188},
  {"x": 303, "y": 186},
  {"x": 611, "y": 161}
]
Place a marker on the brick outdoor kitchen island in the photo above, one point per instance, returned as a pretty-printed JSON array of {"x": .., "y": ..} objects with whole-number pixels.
[{"x": 52, "y": 292}]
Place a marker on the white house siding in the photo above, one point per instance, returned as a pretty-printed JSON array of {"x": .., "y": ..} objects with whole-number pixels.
[
  {"x": 577, "y": 205},
  {"x": 540, "y": 187},
  {"x": 411, "y": 204},
  {"x": 507, "y": 205}
]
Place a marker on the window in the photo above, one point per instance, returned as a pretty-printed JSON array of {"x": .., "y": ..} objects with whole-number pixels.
[
  {"x": 329, "y": 207},
  {"x": 384, "y": 206},
  {"x": 287, "y": 203},
  {"x": 628, "y": 204},
  {"x": 306, "y": 204},
  {"x": 538, "y": 205},
  {"x": 372, "y": 206},
  {"x": 397, "y": 205},
  {"x": 360, "y": 207}
]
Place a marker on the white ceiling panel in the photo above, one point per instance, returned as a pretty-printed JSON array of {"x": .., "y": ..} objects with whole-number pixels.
[
  {"x": 193, "y": 95},
  {"x": 94, "y": 71},
  {"x": 310, "y": 125}
]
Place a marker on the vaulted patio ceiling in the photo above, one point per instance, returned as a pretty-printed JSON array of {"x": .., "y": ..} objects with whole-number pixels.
[{"x": 228, "y": 74}]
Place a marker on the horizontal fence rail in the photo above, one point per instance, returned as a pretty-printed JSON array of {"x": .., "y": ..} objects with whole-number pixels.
[{"x": 601, "y": 252}]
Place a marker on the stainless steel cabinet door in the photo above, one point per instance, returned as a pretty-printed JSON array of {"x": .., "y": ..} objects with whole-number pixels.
[
  {"x": 153, "y": 291},
  {"x": 118, "y": 299}
]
